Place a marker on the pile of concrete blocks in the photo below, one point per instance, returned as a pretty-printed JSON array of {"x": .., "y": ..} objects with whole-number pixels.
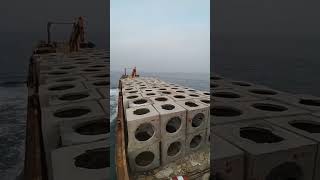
[
  {"x": 75, "y": 113},
  {"x": 165, "y": 121},
  {"x": 263, "y": 133}
]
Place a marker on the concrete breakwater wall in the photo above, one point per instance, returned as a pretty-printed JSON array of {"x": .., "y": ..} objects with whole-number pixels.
[{"x": 262, "y": 133}]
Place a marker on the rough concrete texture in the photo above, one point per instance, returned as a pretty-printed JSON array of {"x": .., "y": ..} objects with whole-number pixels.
[
  {"x": 195, "y": 141},
  {"x": 172, "y": 149},
  {"x": 143, "y": 101},
  {"x": 161, "y": 99}
]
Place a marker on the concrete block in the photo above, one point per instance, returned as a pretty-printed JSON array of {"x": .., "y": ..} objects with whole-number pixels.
[
  {"x": 143, "y": 126},
  {"x": 139, "y": 102},
  {"x": 271, "y": 152},
  {"x": 197, "y": 115},
  {"x": 166, "y": 92},
  {"x": 172, "y": 119},
  {"x": 82, "y": 131},
  {"x": 179, "y": 96},
  {"x": 195, "y": 141},
  {"x": 305, "y": 125},
  {"x": 172, "y": 149},
  {"x": 81, "y": 162},
  {"x": 67, "y": 79},
  {"x": 105, "y": 103},
  {"x": 227, "y": 161},
  {"x": 307, "y": 102},
  {"x": 97, "y": 76},
  {"x": 91, "y": 70},
  {"x": 69, "y": 97},
  {"x": 104, "y": 92},
  {"x": 145, "y": 158},
  {"x": 130, "y": 97}
]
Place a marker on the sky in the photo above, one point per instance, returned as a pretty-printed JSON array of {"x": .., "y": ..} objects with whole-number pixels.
[
  {"x": 160, "y": 36},
  {"x": 23, "y": 23}
]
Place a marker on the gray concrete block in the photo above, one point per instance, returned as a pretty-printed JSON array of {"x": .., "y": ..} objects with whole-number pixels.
[
  {"x": 86, "y": 130},
  {"x": 139, "y": 102},
  {"x": 130, "y": 97},
  {"x": 172, "y": 119},
  {"x": 232, "y": 95},
  {"x": 61, "y": 87},
  {"x": 150, "y": 94},
  {"x": 143, "y": 124},
  {"x": 145, "y": 158},
  {"x": 271, "y": 152},
  {"x": 195, "y": 141},
  {"x": 82, "y": 162},
  {"x": 172, "y": 149},
  {"x": 197, "y": 115}
]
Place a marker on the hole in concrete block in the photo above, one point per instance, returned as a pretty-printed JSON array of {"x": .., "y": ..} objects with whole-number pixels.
[
  {"x": 174, "y": 88},
  {"x": 132, "y": 97},
  {"x": 205, "y": 101},
  {"x": 161, "y": 99},
  {"x": 191, "y": 90},
  {"x": 128, "y": 89},
  {"x": 225, "y": 111},
  {"x": 93, "y": 159},
  {"x": 148, "y": 90},
  {"x": 162, "y": 89},
  {"x": 131, "y": 92},
  {"x": 180, "y": 91},
  {"x": 241, "y": 83},
  {"x": 215, "y": 78},
  {"x": 68, "y": 67},
  {"x": 206, "y": 93},
  {"x": 197, "y": 120},
  {"x": 259, "y": 135},
  {"x": 194, "y": 95},
  {"x": 97, "y": 66},
  {"x": 310, "y": 102},
  {"x": 61, "y": 87},
  {"x": 81, "y": 58},
  {"x": 286, "y": 171},
  {"x": 73, "y": 96},
  {"x": 97, "y": 127},
  {"x": 269, "y": 107},
  {"x": 191, "y": 104},
  {"x": 72, "y": 112},
  {"x": 140, "y": 101},
  {"x": 174, "y": 148},
  {"x": 179, "y": 96},
  {"x": 144, "y": 132},
  {"x": 102, "y": 76},
  {"x": 230, "y": 95},
  {"x": 91, "y": 70},
  {"x": 150, "y": 94},
  {"x": 141, "y": 111},
  {"x": 166, "y": 92},
  {"x": 101, "y": 83},
  {"x": 167, "y": 106},
  {"x": 263, "y": 92},
  {"x": 195, "y": 142},
  {"x": 145, "y": 158},
  {"x": 173, "y": 125},
  {"x": 310, "y": 126}
]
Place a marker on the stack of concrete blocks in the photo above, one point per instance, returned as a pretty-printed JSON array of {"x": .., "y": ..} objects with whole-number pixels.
[
  {"x": 165, "y": 121},
  {"x": 277, "y": 131},
  {"x": 75, "y": 114}
]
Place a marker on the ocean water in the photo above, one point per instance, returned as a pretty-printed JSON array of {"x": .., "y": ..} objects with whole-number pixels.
[{"x": 13, "y": 115}]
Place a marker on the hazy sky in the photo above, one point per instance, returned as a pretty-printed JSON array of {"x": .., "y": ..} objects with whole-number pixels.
[{"x": 160, "y": 36}]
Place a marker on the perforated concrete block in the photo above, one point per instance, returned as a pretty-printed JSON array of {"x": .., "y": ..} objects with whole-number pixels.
[
  {"x": 131, "y": 91},
  {"x": 60, "y": 87},
  {"x": 172, "y": 149},
  {"x": 197, "y": 115},
  {"x": 97, "y": 76},
  {"x": 232, "y": 95},
  {"x": 82, "y": 162},
  {"x": 195, "y": 141},
  {"x": 227, "y": 161},
  {"x": 172, "y": 119},
  {"x": 143, "y": 126},
  {"x": 265, "y": 92},
  {"x": 218, "y": 85},
  {"x": 227, "y": 112},
  {"x": 144, "y": 159},
  {"x": 166, "y": 92},
  {"x": 305, "y": 125},
  {"x": 69, "y": 97},
  {"x": 271, "y": 152},
  {"x": 92, "y": 70},
  {"x": 86, "y": 130},
  {"x": 179, "y": 96},
  {"x": 139, "y": 102},
  {"x": 130, "y": 97}
]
